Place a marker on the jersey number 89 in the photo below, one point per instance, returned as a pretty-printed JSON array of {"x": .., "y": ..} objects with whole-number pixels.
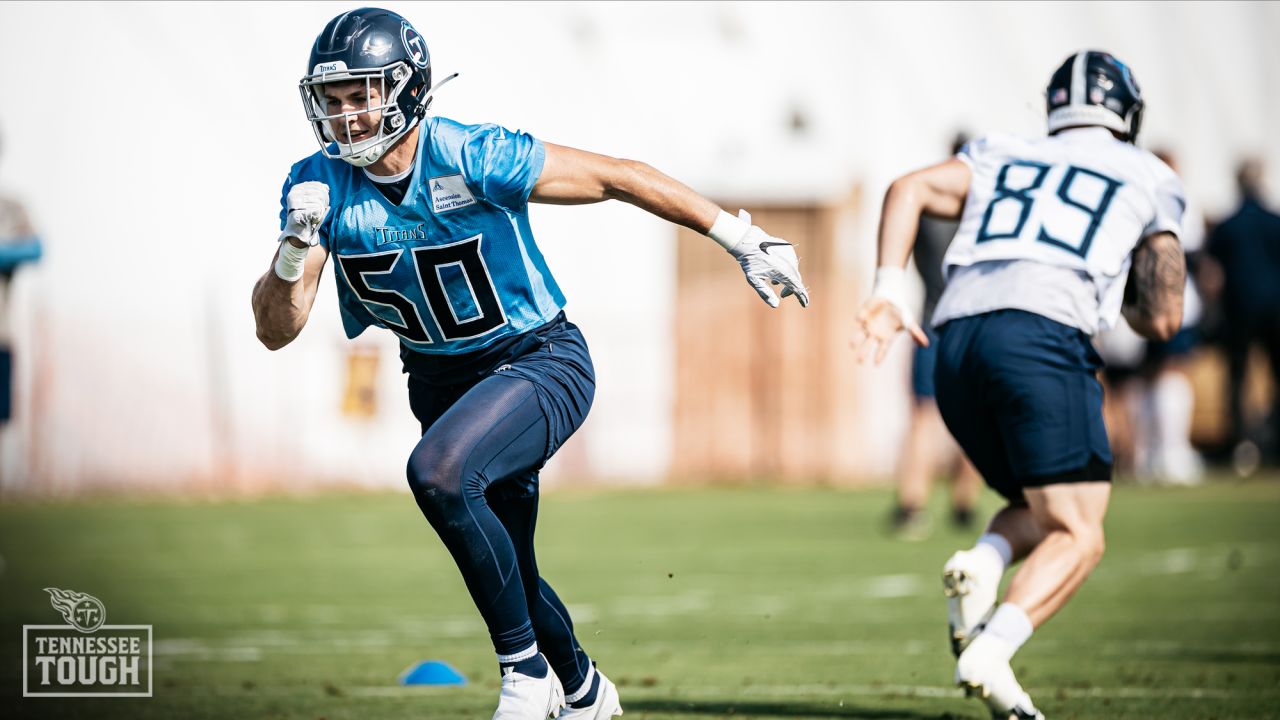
[{"x": 1024, "y": 197}]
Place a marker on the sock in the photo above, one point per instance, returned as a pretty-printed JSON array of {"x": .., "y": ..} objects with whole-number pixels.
[
  {"x": 1143, "y": 422},
  {"x": 1173, "y": 401},
  {"x": 1010, "y": 625},
  {"x": 994, "y": 549},
  {"x": 526, "y": 662},
  {"x": 585, "y": 695}
]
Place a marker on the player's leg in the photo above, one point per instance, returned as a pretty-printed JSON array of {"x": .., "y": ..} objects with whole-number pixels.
[
  {"x": 6, "y": 354},
  {"x": 971, "y": 578},
  {"x": 518, "y": 513},
  {"x": 564, "y": 378},
  {"x": 6, "y": 384},
  {"x": 585, "y": 688},
  {"x": 1049, "y": 408},
  {"x": 1271, "y": 339},
  {"x": 497, "y": 429},
  {"x": 1173, "y": 401},
  {"x": 1057, "y": 442},
  {"x": 920, "y": 451},
  {"x": 1071, "y": 514},
  {"x": 917, "y": 465},
  {"x": 1237, "y": 342},
  {"x": 1016, "y": 525},
  {"x": 966, "y": 484}
]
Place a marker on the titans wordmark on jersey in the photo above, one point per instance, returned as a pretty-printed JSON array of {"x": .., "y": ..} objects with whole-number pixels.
[
  {"x": 453, "y": 266},
  {"x": 1051, "y": 223}
]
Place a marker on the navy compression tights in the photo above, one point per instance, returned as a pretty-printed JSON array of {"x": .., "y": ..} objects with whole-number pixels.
[{"x": 474, "y": 475}]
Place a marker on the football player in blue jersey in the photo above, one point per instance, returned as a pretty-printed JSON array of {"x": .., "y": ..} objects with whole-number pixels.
[
  {"x": 427, "y": 222},
  {"x": 19, "y": 245},
  {"x": 1058, "y": 236}
]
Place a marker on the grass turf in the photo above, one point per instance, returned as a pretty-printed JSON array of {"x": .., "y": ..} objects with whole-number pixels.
[{"x": 710, "y": 603}]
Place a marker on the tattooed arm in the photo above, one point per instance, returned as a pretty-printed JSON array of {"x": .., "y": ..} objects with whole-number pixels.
[{"x": 1153, "y": 294}]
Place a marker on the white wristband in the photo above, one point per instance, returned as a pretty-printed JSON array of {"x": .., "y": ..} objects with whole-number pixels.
[
  {"x": 891, "y": 284},
  {"x": 290, "y": 263},
  {"x": 728, "y": 230}
]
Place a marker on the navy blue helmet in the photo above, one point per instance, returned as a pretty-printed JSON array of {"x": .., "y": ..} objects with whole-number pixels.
[
  {"x": 384, "y": 51},
  {"x": 1094, "y": 88}
]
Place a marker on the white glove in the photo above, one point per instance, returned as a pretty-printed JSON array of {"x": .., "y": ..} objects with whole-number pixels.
[
  {"x": 764, "y": 259},
  {"x": 307, "y": 205}
]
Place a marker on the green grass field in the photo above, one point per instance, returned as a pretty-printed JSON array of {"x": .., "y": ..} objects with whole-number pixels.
[{"x": 743, "y": 603}]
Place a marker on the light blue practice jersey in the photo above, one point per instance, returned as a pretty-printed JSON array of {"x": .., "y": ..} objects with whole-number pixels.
[{"x": 454, "y": 266}]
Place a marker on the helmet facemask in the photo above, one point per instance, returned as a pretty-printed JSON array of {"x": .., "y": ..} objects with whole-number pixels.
[{"x": 397, "y": 111}]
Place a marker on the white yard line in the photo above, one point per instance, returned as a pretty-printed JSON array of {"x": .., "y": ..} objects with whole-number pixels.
[
  {"x": 896, "y": 586},
  {"x": 757, "y": 690}
]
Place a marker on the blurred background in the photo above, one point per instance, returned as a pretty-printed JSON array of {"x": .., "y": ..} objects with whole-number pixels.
[
  {"x": 148, "y": 143},
  {"x": 158, "y": 457}
]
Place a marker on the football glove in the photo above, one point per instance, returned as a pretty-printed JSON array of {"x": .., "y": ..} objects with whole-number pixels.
[
  {"x": 307, "y": 204},
  {"x": 765, "y": 259}
]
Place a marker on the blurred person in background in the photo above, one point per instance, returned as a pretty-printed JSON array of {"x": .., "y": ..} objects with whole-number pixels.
[
  {"x": 19, "y": 245},
  {"x": 1243, "y": 256},
  {"x": 1058, "y": 237},
  {"x": 928, "y": 445},
  {"x": 427, "y": 222},
  {"x": 1164, "y": 400},
  {"x": 1150, "y": 397},
  {"x": 1122, "y": 351}
]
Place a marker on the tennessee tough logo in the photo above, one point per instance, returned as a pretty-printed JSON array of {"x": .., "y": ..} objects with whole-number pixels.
[
  {"x": 85, "y": 657},
  {"x": 82, "y": 611}
]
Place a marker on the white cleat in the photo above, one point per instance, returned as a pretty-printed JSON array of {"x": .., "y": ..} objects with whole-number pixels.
[
  {"x": 529, "y": 698},
  {"x": 983, "y": 673},
  {"x": 605, "y": 706},
  {"x": 970, "y": 584}
]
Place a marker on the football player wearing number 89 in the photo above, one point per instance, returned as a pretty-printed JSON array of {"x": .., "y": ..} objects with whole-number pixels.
[
  {"x": 427, "y": 222},
  {"x": 1058, "y": 236}
]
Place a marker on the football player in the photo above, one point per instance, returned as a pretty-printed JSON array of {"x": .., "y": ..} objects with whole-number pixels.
[
  {"x": 19, "y": 245},
  {"x": 427, "y": 222},
  {"x": 1058, "y": 236},
  {"x": 927, "y": 445}
]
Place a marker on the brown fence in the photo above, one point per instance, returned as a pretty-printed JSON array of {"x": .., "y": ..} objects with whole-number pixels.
[{"x": 762, "y": 393}]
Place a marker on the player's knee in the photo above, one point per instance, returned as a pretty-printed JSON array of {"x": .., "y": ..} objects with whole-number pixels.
[
  {"x": 1095, "y": 545},
  {"x": 1089, "y": 542},
  {"x": 433, "y": 478},
  {"x": 444, "y": 475}
]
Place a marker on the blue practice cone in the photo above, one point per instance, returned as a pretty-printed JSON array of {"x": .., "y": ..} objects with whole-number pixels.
[{"x": 432, "y": 672}]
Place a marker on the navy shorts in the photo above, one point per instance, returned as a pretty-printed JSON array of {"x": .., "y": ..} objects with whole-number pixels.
[
  {"x": 1020, "y": 394},
  {"x": 554, "y": 357},
  {"x": 923, "y": 362}
]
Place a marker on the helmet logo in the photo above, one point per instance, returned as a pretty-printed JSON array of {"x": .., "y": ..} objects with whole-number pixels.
[
  {"x": 330, "y": 67},
  {"x": 376, "y": 46},
  {"x": 414, "y": 45}
]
